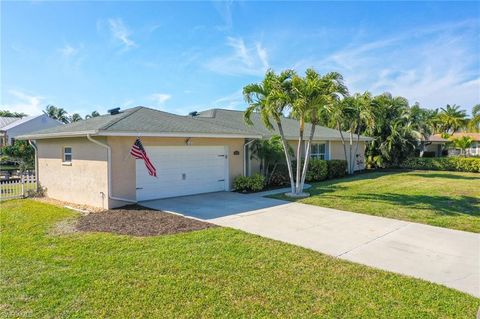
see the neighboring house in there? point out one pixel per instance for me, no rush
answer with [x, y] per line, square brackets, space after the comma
[24, 125]
[4, 121]
[438, 146]
[88, 162]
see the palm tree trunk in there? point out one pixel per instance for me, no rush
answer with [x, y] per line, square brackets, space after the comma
[287, 156]
[356, 146]
[307, 156]
[350, 170]
[343, 142]
[299, 158]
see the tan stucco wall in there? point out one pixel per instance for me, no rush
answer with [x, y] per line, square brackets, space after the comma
[123, 165]
[337, 152]
[81, 182]
[86, 178]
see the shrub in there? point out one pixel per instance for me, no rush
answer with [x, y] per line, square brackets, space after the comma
[252, 183]
[317, 170]
[336, 168]
[460, 164]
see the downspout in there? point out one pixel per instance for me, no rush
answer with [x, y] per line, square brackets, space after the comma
[109, 170]
[34, 145]
[245, 157]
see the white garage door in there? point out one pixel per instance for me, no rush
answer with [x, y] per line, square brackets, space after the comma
[182, 170]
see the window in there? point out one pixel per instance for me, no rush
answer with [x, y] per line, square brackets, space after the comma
[318, 151]
[67, 154]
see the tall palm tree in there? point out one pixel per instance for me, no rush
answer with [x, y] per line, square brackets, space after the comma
[313, 95]
[93, 114]
[75, 117]
[474, 123]
[271, 98]
[57, 113]
[452, 118]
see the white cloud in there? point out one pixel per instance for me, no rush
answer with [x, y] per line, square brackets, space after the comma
[224, 9]
[160, 98]
[121, 33]
[243, 60]
[24, 102]
[232, 101]
[434, 65]
[68, 51]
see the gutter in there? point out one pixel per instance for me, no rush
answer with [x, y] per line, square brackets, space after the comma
[34, 145]
[245, 156]
[109, 170]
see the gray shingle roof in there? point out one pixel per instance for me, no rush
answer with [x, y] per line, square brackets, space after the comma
[143, 120]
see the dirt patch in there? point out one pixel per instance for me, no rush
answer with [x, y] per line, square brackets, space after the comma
[60, 203]
[139, 221]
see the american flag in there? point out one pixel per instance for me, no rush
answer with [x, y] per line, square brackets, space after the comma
[138, 152]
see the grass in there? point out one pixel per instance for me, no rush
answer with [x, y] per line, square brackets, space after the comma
[444, 199]
[217, 272]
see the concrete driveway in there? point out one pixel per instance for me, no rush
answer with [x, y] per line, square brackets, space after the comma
[440, 255]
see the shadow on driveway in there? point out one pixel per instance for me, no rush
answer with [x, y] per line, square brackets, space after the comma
[213, 205]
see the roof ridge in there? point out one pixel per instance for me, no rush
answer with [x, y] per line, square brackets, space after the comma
[115, 121]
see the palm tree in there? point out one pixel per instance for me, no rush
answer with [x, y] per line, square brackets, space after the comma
[353, 114]
[57, 113]
[451, 118]
[462, 143]
[270, 98]
[93, 114]
[394, 134]
[75, 117]
[313, 95]
[474, 123]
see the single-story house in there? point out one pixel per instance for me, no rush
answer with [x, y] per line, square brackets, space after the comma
[436, 145]
[15, 126]
[89, 162]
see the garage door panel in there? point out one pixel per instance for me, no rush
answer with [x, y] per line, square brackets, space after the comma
[182, 171]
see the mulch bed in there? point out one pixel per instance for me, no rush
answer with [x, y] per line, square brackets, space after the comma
[139, 221]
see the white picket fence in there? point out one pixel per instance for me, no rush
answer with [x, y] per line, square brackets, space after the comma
[17, 187]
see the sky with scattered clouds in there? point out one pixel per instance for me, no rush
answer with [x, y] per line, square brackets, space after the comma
[186, 56]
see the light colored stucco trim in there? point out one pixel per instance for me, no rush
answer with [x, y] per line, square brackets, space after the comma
[149, 134]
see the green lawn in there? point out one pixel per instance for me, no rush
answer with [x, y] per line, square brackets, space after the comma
[445, 199]
[217, 272]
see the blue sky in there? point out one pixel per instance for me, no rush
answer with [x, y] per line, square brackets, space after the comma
[186, 56]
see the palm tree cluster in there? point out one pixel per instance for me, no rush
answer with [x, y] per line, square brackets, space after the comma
[61, 114]
[396, 127]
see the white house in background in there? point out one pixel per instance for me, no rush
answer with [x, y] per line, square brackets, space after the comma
[11, 127]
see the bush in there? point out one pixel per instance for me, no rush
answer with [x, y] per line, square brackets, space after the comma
[253, 183]
[336, 168]
[460, 164]
[317, 170]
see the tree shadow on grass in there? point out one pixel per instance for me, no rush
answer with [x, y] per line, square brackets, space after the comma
[446, 175]
[443, 205]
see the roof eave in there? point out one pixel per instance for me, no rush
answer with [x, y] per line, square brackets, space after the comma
[179, 134]
[55, 135]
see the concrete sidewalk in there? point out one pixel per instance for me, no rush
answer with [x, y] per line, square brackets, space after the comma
[440, 255]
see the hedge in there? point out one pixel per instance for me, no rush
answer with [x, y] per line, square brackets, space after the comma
[254, 183]
[456, 163]
[318, 170]
[336, 168]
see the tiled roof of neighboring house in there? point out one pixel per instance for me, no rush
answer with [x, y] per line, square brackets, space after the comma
[439, 138]
[4, 121]
[146, 121]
